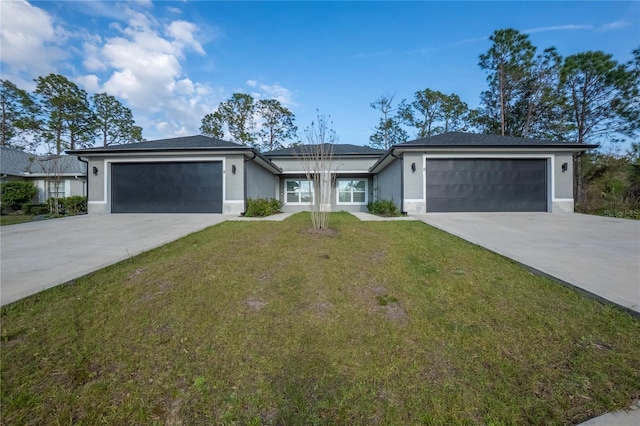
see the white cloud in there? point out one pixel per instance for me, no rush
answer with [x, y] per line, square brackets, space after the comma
[183, 34]
[90, 83]
[174, 10]
[139, 59]
[611, 26]
[558, 28]
[272, 91]
[29, 39]
[92, 61]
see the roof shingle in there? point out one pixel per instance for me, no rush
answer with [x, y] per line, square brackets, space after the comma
[185, 142]
[14, 162]
[338, 149]
[475, 139]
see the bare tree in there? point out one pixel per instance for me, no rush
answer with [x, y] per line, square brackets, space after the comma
[316, 156]
[53, 166]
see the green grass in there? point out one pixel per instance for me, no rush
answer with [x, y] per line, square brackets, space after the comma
[262, 323]
[13, 220]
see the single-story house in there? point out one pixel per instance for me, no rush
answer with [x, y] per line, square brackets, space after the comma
[452, 172]
[65, 175]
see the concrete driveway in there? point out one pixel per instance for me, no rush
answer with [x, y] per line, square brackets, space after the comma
[38, 255]
[600, 255]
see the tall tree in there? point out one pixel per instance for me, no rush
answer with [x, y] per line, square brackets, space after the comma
[541, 107]
[388, 131]
[433, 112]
[212, 125]
[18, 116]
[595, 84]
[508, 63]
[68, 122]
[237, 116]
[277, 124]
[114, 121]
[629, 108]
[454, 114]
[423, 112]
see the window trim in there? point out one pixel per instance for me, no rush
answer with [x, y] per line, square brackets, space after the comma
[60, 187]
[352, 203]
[299, 203]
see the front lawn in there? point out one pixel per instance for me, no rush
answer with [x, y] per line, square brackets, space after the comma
[264, 323]
[13, 220]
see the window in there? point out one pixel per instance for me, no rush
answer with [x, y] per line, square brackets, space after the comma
[299, 191]
[352, 191]
[56, 189]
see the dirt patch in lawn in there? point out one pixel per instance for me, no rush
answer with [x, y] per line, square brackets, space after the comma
[254, 304]
[320, 232]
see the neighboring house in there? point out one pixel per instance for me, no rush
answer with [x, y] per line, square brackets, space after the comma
[453, 172]
[64, 175]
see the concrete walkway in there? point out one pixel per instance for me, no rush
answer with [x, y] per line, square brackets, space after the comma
[38, 255]
[619, 418]
[598, 255]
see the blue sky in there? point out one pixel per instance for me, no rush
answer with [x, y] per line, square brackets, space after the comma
[173, 62]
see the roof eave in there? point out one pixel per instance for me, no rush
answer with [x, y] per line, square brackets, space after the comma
[266, 162]
[102, 151]
[562, 146]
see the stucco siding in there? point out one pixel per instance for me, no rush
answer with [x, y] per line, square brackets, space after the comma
[388, 183]
[563, 180]
[96, 181]
[77, 187]
[261, 183]
[340, 165]
[414, 185]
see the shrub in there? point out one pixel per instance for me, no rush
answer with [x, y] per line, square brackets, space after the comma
[35, 208]
[261, 207]
[385, 208]
[74, 204]
[16, 193]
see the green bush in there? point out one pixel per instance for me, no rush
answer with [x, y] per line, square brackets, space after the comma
[16, 193]
[35, 208]
[262, 207]
[385, 208]
[74, 204]
[623, 214]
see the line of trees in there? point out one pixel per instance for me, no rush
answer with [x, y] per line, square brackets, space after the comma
[59, 115]
[265, 124]
[585, 98]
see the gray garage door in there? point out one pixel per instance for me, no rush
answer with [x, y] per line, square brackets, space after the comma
[486, 185]
[175, 187]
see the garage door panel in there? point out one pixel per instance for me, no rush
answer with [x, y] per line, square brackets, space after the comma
[478, 185]
[166, 187]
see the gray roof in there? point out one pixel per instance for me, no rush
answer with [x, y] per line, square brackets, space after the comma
[338, 149]
[484, 140]
[14, 162]
[181, 143]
